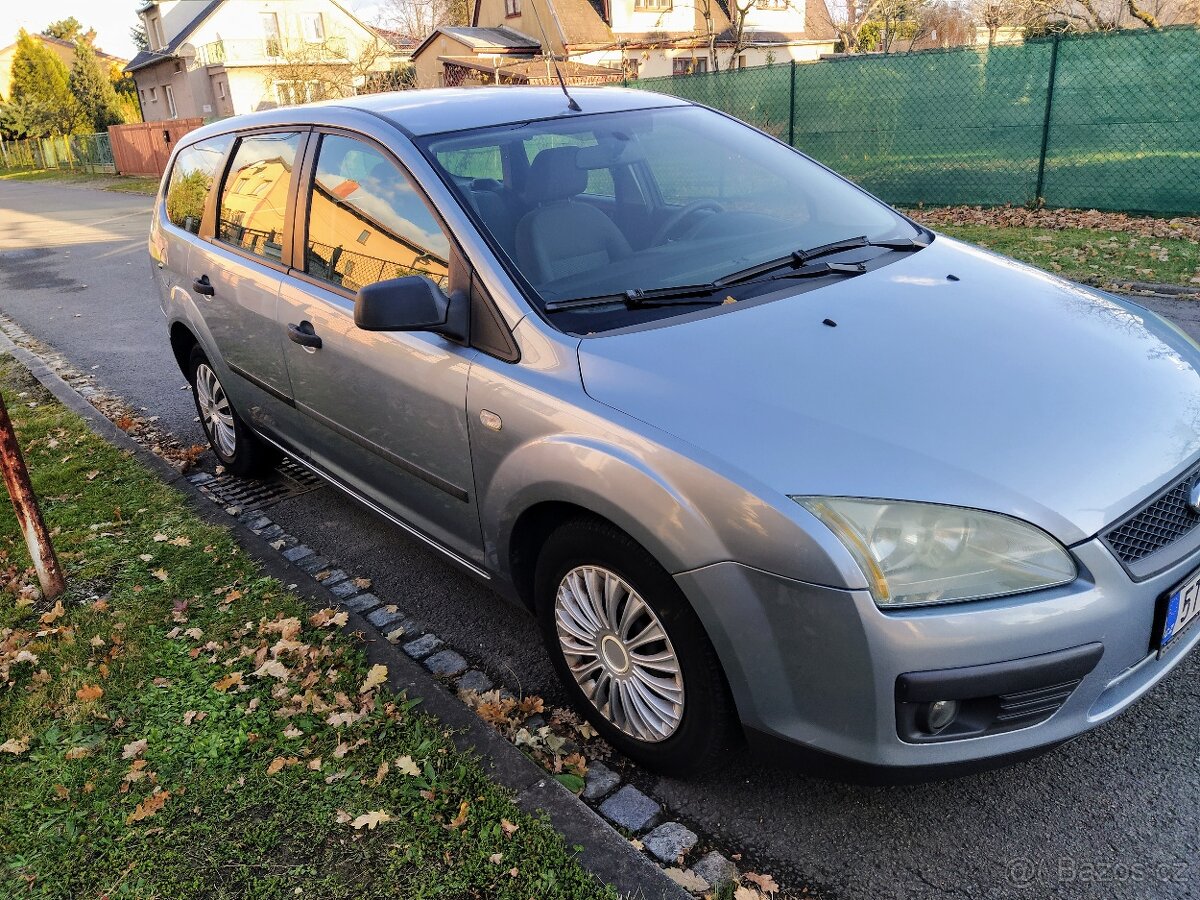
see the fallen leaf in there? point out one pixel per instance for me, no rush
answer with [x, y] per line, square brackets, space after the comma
[160, 537]
[370, 819]
[765, 883]
[61, 792]
[15, 746]
[78, 753]
[376, 676]
[362, 583]
[145, 557]
[381, 773]
[135, 748]
[89, 692]
[292, 732]
[193, 715]
[342, 817]
[746, 893]
[148, 807]
[97, 641]
[496, 858]
[279, 762]
[54, 615]
[161, 574]
[228, 681]
[686, 879]
[508, 828]
[273, 668]
[181, 541]
[406, 766]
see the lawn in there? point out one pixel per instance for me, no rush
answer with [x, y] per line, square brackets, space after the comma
[129, 184]
[180, 725]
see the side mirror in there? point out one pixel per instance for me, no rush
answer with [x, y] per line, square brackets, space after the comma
[411, 303]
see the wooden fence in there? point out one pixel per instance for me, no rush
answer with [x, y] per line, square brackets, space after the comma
[143, 148]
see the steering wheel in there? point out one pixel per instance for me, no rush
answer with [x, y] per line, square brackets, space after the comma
[681, 215]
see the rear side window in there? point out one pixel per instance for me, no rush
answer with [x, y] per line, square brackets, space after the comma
[254, 196]
[367, 222]
[191, 178]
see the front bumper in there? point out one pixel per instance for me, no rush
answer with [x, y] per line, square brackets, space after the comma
[820, 667]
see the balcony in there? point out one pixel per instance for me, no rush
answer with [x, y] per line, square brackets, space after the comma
[269, 52]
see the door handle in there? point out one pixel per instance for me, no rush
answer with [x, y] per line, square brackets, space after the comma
[304, 335]
[203, 287]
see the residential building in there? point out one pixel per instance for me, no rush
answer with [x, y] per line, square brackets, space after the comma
[64, 50]
[651, 38]
[217, 58]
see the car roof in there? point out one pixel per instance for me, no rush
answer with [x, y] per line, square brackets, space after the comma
[423, 112]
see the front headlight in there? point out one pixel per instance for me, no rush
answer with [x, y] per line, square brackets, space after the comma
[919, 553]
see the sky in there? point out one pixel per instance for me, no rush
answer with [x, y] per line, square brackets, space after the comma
[112, 19]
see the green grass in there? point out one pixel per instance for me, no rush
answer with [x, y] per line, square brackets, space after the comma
[144, 571]
[1099, 257]
[128, 184]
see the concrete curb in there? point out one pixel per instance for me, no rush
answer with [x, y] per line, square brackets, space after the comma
[606, 854]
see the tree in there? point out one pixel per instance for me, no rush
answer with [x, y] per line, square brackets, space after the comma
[69, 29]
[92, 89]
[323, 71]
[420, 18]
[848, 18]
[41, 94]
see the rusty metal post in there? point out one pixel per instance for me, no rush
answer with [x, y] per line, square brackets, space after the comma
[29, 517]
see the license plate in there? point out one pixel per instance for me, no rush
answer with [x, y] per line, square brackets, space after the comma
[1183, 606]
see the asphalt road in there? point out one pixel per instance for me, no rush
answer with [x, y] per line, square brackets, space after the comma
[1114, 814]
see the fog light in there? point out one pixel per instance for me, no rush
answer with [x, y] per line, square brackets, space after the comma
[936, 715]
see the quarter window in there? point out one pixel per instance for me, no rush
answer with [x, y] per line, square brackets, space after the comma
[191, 178]
[367, 222]
[254, 198]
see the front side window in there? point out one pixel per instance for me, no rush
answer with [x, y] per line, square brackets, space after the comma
[191, 179]
[314, 27]
[254, 197]
[591, 207]
[688, 65]
[170, 92]
[367, 222]
[512, 7]
[640, 5]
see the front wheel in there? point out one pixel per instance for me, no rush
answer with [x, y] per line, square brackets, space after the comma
[631, 650]
[236, 446]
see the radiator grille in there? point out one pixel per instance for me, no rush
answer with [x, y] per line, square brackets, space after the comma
[1161, 523]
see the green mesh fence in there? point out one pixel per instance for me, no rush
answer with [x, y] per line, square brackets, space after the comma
[1105, 121]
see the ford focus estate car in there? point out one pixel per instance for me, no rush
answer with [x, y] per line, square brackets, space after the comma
[767, 459]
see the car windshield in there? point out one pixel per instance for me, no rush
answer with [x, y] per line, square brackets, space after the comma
[649, 200]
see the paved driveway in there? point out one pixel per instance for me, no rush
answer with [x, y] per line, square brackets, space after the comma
[1114, 814]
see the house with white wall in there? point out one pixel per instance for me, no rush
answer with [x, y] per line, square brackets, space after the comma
[652, 38]
[217, 58]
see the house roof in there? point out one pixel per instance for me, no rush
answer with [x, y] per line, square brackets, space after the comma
[397, 39]
[150, 57]
[501, 38]
[533, 71]
[53, 40]
[582, 22]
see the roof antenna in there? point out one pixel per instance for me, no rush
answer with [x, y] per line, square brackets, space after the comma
[571, 104]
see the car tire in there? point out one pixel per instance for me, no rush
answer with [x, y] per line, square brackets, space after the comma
[238, 448]
[679, 722]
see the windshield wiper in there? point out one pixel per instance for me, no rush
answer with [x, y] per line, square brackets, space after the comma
[800, 258]
[636, 298]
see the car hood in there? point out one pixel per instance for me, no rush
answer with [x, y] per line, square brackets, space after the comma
[1004, 388]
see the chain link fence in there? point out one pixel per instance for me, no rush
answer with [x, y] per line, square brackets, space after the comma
[83, 152]
[1097, 121]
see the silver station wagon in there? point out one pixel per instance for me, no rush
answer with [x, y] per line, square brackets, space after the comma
[768, 460]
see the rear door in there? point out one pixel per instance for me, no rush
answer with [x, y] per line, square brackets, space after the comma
[385, 411]
[238, 274]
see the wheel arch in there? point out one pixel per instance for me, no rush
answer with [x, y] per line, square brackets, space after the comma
[182, 342]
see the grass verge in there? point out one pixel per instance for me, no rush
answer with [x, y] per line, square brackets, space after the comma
[125, 184]
[181, 726]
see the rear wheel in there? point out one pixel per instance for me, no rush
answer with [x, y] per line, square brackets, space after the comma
[236, 446]
[631, 651]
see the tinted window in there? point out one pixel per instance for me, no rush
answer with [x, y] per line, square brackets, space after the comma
[366, 221]
[254, 197]
[195, 168]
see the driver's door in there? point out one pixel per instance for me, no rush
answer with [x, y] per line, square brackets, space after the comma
[385, 412]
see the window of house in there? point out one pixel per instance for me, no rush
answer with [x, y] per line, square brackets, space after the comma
[313, 26]
[191, 178]
[741, 61]
[169, 92]
[687, 65]
[254, 197]
[367, 222]
[293, 93]
[155, 34]
[142, 91]
[153, 95]
[270, 27]
[639, 5]
[221, 89]
[631, 68]
[512, 7]
[772, 4]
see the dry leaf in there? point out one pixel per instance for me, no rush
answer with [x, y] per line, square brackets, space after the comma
[148, 807]
[181, 541]
[15, 746]
[508, 828]
[273, 668]
[688, 880]
[458, 820]
[496, 858]
[160, 574]
[370, 819]
[279, 762]
[89, 692]
[135, 748]
[78, 753]
[228, 681]
[381, 773]
[362, 583]
[54, 615]
[376, 676]
[342, 817]
[765, 883]
[406, 766]
[746, 893]
[292, 732]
